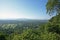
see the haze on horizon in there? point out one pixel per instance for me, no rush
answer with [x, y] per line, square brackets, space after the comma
[30, 9]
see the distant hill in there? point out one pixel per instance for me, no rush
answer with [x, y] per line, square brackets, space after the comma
[21, 20]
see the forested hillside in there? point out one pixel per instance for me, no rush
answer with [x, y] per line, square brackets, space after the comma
[11, 28]
[47, 31]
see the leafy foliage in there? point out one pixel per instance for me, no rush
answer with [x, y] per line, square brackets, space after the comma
[53, 6]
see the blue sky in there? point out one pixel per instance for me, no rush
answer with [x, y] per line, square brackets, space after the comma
[30, 9]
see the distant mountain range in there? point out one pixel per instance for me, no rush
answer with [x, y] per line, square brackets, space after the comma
[21, 20]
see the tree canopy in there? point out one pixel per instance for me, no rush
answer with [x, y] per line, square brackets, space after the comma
[53, 6]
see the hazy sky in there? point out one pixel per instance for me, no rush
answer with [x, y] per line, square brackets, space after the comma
[31, 9]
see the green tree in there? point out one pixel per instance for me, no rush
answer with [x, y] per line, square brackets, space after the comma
[3, 36]
[30, 35]
[53, 6]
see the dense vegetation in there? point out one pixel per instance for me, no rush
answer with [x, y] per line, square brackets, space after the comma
[15, 29]
[29, 31]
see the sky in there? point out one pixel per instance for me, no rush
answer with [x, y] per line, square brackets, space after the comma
[30, 9]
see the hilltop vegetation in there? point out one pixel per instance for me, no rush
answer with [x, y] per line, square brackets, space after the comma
[36, 31]
[14, 30]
